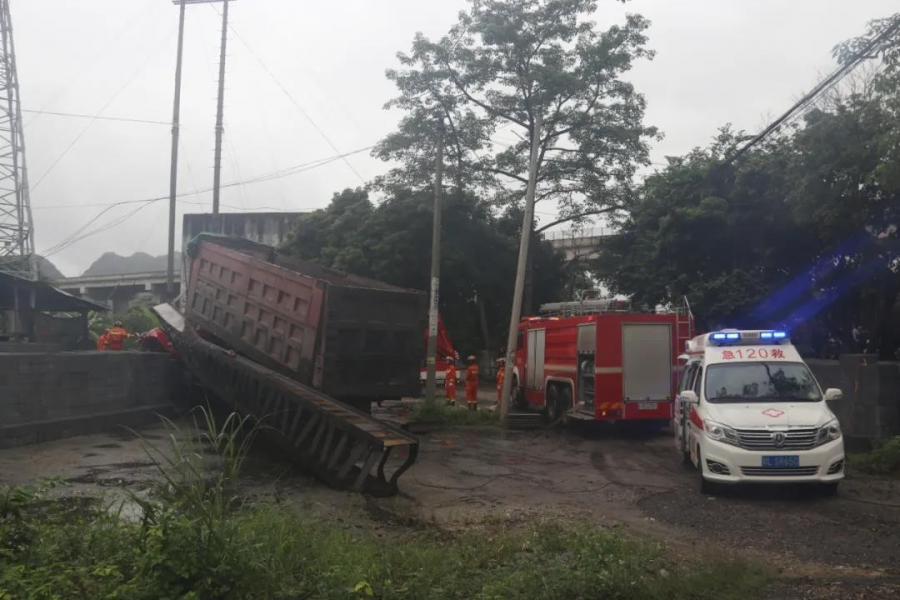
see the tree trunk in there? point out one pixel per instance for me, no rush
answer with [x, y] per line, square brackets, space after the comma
[482, 319]
[528, 297]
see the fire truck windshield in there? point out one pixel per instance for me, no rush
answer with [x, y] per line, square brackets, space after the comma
[761, 382]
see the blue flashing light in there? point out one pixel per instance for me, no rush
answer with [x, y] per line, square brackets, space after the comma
[732, 336]
[718, 336]
[766, 335]
[779, 335]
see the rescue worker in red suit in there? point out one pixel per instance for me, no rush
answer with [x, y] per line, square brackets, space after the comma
[501, 373]
[114, 339]
[472, 384]
[450, 381]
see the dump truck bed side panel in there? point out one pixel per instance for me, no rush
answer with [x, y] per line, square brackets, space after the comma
[271, 314]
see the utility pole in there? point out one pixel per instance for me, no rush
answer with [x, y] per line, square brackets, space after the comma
[524, 242]
[173, 173]
[431, 378]
[220, 116]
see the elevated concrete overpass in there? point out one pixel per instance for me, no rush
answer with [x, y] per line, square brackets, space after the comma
[120, 292]
[580, 244]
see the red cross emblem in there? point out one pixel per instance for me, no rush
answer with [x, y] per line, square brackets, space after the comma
[773, 412]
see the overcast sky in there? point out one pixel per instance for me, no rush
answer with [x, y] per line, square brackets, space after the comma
[301, 71]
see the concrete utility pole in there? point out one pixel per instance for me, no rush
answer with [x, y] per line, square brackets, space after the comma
[431, 378]
[524, 242]
[173, 174]
[220, 116]
[176, 131]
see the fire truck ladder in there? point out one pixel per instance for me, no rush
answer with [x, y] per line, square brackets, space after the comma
[339, 444]
[684, 323]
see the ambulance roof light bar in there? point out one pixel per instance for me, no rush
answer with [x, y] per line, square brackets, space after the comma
[730, 336]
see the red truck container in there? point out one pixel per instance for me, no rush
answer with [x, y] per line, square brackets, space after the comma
[601, 365]
[353, 338]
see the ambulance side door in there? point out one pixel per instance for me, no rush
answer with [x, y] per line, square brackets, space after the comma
[682, 408]
[694, 430]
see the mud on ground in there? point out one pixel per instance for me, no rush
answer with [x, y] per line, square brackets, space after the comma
[822, 547]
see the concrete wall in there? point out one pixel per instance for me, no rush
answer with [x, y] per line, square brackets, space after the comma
[54, 395]
[271, 229]
[870, 409]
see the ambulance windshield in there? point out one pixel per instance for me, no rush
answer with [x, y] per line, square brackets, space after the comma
[762, 382]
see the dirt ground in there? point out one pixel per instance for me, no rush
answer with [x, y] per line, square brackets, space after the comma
[842, 547]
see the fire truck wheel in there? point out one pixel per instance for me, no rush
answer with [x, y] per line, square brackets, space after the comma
[518, 395]
[551, 411]
[565, 402]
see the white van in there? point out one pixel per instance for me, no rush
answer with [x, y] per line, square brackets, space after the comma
[749, 410]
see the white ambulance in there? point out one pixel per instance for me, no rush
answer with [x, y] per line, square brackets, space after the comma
[749, 410]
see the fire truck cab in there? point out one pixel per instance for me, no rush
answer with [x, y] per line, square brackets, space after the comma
[750, 410]
[600, 361]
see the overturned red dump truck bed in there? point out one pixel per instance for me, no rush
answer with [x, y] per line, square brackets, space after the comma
[305, 350]
[353, 338]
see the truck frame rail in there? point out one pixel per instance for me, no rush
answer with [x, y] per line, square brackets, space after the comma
[342, 446]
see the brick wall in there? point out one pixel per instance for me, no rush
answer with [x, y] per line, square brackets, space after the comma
[53, 395]
[870, 409]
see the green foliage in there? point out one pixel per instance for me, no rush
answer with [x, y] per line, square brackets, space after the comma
[884, 459]
[452, 415]
[801, 232]
[498, 67]
[273, 552]
[138, 319]
[392, 241]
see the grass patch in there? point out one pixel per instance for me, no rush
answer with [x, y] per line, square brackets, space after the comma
[271, 551]
[452, 415]
[195, 539]
[884, 459]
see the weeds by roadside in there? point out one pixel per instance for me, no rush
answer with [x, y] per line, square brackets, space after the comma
[884, 459]
[196, 540]
[443, 414]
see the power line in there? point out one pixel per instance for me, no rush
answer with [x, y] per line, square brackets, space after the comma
[80, 234]
[823, 86]
[99, 113]
[92, 62]
[291, 98]
[97, 117]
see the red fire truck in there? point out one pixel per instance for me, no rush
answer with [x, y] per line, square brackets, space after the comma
[598, 360]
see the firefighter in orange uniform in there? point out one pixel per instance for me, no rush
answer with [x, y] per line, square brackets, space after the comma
[472, 384]
[501, 373]
[450, 381]
[114, 339]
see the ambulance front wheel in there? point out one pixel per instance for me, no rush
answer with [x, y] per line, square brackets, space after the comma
[829, 489]
[706, 487]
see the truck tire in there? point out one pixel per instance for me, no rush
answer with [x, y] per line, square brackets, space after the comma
[551, 410]
[565, 403]
[518, 396]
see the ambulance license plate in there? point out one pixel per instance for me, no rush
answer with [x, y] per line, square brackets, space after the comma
[780, 462]
[647, 405]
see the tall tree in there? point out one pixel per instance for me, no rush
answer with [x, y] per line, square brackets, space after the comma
[504, 62]
[386, 241]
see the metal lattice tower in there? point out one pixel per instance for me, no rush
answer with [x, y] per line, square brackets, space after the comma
[16, 230]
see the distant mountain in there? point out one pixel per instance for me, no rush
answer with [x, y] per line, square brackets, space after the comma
[48, 270]
[113, 264]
